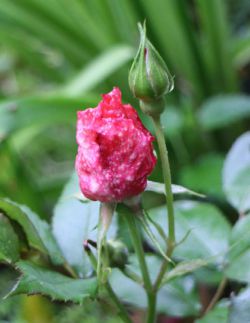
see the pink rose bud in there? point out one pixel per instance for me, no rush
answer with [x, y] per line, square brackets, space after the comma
[115, 151]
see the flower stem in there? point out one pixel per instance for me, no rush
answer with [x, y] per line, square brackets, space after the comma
[162, 271]
[167, 177]
[105, 217]
[169, 197]
[137, 242]
[122, 311]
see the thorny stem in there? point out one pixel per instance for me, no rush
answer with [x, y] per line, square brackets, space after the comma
[122, 311]
[137, 242]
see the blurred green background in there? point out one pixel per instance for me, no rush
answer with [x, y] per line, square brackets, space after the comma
[59, 56]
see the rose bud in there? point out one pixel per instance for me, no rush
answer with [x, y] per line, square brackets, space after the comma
[118, 253]
[115, 152]
[149, 77]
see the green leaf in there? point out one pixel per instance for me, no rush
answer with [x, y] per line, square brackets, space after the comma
[204, 175]
[8, 279]
[37, 231]
[210, 276]
[241, 48]
[172, 121]
[168, 24]
[183, 268]
[39, 280]
[178, 298]
[236, 174]
[215, 44]
[221, 111]
[99, 69]
[218, 314]
[240, 308]
[176, 189]
[208, 238]
[43, 110]
[73, 222]
[238, 258]
[9, 244]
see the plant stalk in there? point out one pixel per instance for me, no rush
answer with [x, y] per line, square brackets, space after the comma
[162, 271]
[105, 217]
[122, 311]
[167, 177]
[169, 197]
[137, 242]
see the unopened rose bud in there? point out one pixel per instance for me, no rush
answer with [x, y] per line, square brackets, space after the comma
[118, 253]
[149, 77]
[115, 151]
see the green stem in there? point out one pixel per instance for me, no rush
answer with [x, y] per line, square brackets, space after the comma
[105, 217]
[163, 269]
[137, 242]
[167, 177]
[122, 311]
[169, 197]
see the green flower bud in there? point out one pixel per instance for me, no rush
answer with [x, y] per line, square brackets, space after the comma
[118, 253]
[149, 77]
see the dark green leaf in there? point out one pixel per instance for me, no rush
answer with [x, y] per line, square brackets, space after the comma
[221, 111]
[236, 174]
[9, 244]
[37, 231]
[8, 279]
[73, 222]
[39, 280]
